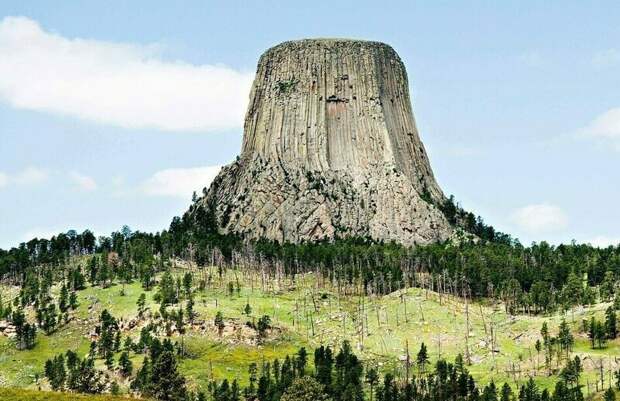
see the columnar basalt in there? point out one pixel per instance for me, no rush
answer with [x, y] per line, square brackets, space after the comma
[330, 149]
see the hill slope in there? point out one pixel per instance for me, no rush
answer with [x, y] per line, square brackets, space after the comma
[308, 312]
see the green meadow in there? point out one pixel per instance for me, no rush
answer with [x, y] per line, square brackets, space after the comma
[308, 312]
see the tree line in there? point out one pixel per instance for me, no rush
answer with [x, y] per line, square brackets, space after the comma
[333, 376]
[539, 278]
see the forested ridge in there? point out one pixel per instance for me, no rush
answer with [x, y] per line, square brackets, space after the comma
[334, 376]
[538, 279]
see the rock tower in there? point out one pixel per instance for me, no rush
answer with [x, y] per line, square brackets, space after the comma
[330, 150]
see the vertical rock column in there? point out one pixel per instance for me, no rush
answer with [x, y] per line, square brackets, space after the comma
[330, 149]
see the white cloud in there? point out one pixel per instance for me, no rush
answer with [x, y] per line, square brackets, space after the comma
[541, 218]
[180, 182]
[605, 127]
[83, 182]
[606, 58]
[121, 84]
[29, 176]
[602, 241]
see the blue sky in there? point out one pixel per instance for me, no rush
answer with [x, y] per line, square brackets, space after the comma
[113, 112]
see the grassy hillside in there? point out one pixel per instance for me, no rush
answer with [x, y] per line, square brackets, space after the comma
[19, 394]
[304, 313]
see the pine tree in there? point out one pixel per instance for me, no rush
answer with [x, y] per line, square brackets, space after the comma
[167, 290]
[597, 333]
[147, 272]
[234, 391]
[422, 358]
[93, 270]
[571, 372]
[63, 302]
[76, 279]
[189, 308]
[250, 391]
[104, 275]
[141, 305]
[264, 323]
[125, 364]
[592, 331]
[566, 337]
[305, 389]
[49, 319]
[607, 287]
[490, 392]
[142, 381]
[372, 378]
[25, 332]
[323, 364]
[609, 395]
[109, 360]
[219, 322]
[506, 393]
[572, 292]
[187, 284]
[301, 361]
[178, 318]
[544, 332]
[611, 328]
[73, 300]
[55, 372]
[167, 384]
[108, 332]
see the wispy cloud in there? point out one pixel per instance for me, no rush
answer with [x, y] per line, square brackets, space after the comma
[605, 127]
[29, 176]
[602, 241]
[33, 176]
[121, 84]
[606, 58]
[180, 182]
[540, 218]
[82, 181]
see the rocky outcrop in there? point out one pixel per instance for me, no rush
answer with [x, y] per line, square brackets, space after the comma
[330, 149]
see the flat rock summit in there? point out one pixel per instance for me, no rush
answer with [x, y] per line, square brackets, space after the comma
[330, 150]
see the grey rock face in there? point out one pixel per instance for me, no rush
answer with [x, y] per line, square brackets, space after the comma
[330, 149]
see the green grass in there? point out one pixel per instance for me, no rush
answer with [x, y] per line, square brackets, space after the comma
[307, 316]
[20, 394]
[218, 360]
[19, 368]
